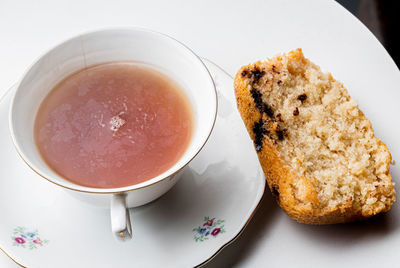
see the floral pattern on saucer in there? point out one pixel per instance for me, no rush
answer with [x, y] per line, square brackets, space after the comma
[210, 228]
[26, 239]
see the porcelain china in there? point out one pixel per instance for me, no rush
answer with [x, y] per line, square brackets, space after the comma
[44, 226]
[125, 44]
[232, 34]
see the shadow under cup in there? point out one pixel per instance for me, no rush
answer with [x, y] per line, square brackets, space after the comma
[156, 50]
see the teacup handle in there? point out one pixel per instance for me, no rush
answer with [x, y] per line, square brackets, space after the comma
[120, 218]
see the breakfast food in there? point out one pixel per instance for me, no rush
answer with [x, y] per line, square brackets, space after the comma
[317, 149]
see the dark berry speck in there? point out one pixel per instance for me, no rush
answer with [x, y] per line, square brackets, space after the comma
[302, 97]
[257, 74]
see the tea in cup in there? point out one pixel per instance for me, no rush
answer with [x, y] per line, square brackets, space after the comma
[114, 116]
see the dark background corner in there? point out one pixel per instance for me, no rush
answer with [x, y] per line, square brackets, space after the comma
[382, 19]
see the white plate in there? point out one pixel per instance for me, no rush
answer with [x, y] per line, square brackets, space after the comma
[43, 226]
[234, 33]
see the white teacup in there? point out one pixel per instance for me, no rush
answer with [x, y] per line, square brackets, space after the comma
[131, 44]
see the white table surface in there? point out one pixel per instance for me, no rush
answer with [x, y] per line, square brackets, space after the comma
[230, 33]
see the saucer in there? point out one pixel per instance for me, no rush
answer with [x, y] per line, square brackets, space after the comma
[43, 225]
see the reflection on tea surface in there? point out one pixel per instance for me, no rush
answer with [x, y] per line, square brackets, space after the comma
[113, 125]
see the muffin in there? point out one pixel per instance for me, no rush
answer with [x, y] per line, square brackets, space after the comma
[318, 151]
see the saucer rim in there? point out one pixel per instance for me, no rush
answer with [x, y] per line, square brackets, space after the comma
[255, 209]
[222, 247]
[238, 234]
[2, 97]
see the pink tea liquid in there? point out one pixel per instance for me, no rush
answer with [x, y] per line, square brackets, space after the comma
[113, 125]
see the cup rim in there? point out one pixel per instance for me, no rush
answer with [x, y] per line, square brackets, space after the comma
[123, 189]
